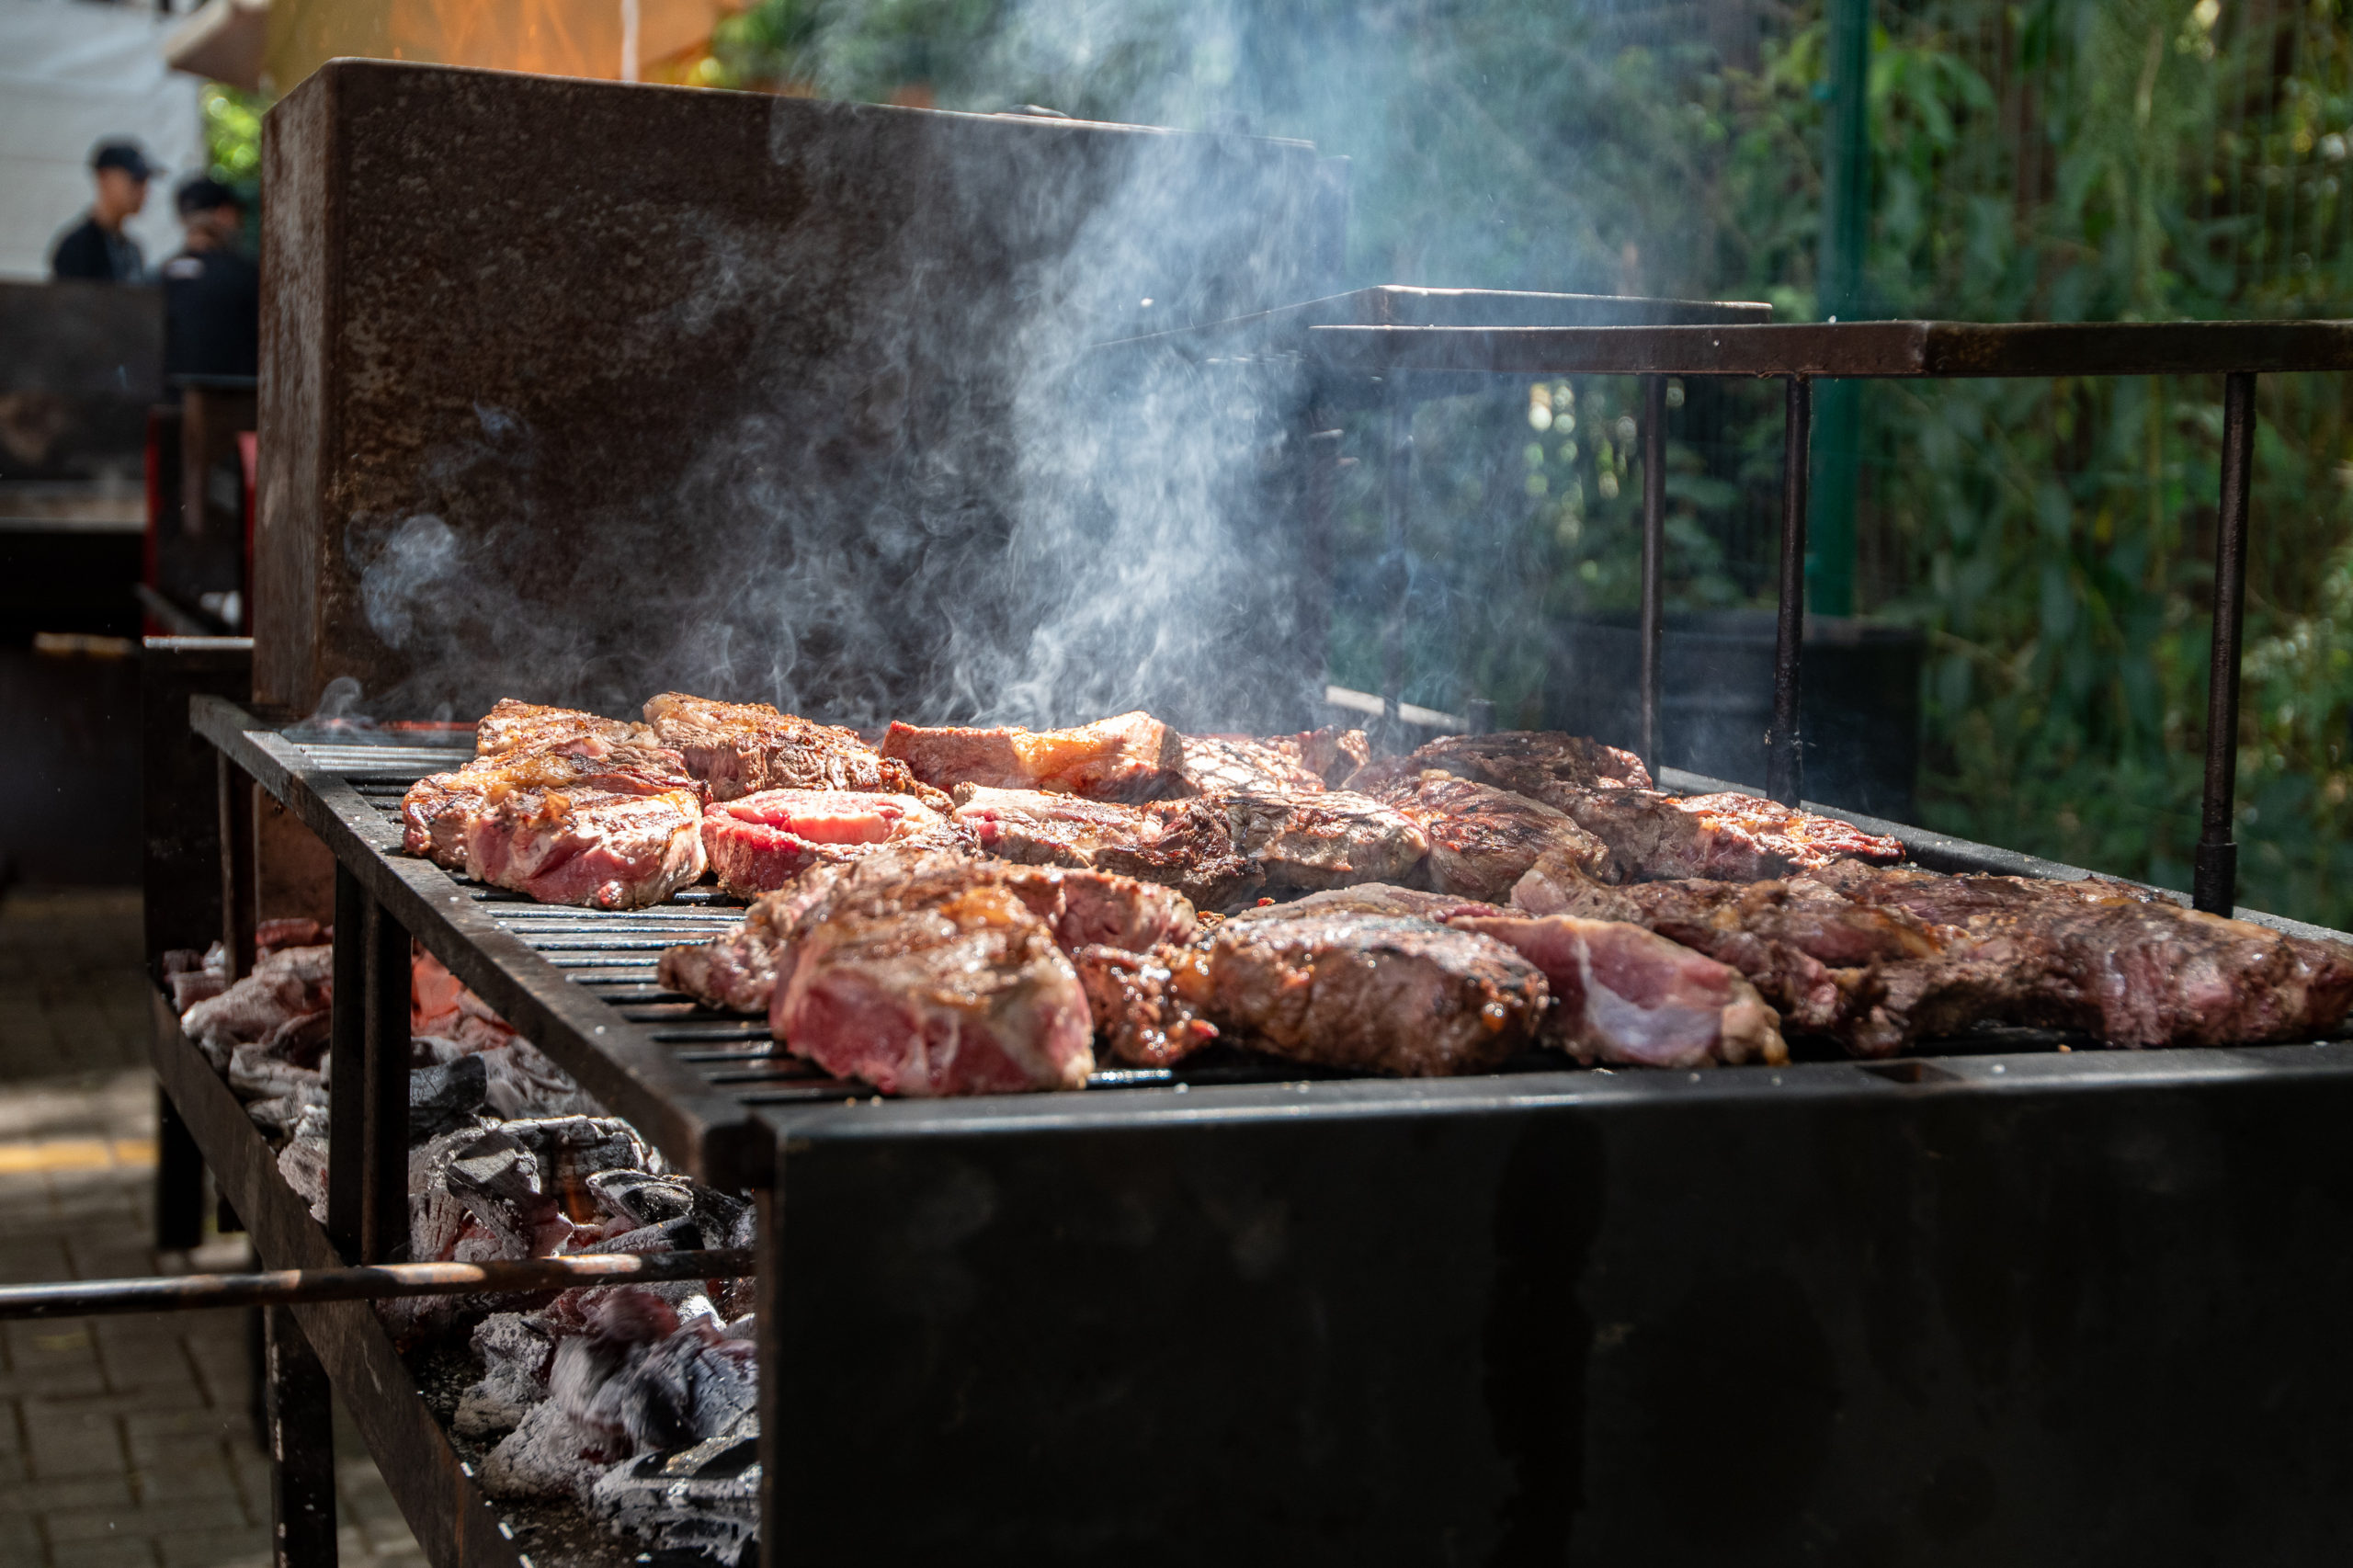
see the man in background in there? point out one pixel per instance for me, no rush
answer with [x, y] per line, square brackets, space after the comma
[97, 248]
[211, 289]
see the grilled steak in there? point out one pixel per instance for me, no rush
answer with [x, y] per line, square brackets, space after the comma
[1624, 994]
[738, 971]
[578, 819]
[759, 843]
[1186, 845]
[1483, 839]
[1213, 763]
[964, 994]
[1650, 835]
[1535, 763]
[1140, 1017]
[1786, 937]
[1369, 992]
[743, 748]
[513, 726]
[1132, 757]
[1374, 898]
[1324, 840]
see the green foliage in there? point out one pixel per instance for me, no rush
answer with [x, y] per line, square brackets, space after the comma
[232, 136]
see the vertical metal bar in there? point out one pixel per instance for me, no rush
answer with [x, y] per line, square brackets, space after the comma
[383, 1211]
[238, 916]
[769, 1302]
[1397, 500]
[179, 1179]
[1653, 559]
[2214, 882]
[1321, 506]
[1784, 758]
[347, 1068]
[1479, 716]
[302, 1446]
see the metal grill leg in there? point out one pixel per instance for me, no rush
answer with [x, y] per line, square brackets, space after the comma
[1784, 759]
[238, 915]
[347, 1077]
[1653, 557]
[301, 1447]
[179, 1180]
[383, 1218]
[2214, 885]
[769, 1301]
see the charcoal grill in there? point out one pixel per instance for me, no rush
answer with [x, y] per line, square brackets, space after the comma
[2002, 1300]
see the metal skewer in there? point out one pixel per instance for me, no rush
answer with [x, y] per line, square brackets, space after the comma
[189, 1292]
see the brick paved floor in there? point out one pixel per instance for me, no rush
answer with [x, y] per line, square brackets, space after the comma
[123, 1440]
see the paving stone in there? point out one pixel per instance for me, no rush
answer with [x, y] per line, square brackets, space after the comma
[208, 1549]
[125, 1551]
[64, 1444]
[192, 1515]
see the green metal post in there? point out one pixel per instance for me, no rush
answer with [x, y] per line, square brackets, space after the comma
[1846, 225]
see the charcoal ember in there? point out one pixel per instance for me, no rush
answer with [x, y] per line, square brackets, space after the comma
[642, 1199]
[191, 986]
[514, 1351]
[501, 1184]
[647, 1376]
[282, 987]
[703, 1499]
[523, 1083]
[182, 960]
[661, 1235]
[257, 1074]
[548, 1457]
[443, 1098]
[303, 1161]
[269, 935]
[281, 1113]
[573, 1148]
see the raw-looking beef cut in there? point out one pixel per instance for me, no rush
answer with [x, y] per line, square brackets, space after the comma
[1625, 996]
[1368, 991]
[517, 726]
[965, 994]
[742, 748]
[759, 843]
[1324, 840]
[1133, 756]
[1186, 844]
[580, 818]
[1483, 840]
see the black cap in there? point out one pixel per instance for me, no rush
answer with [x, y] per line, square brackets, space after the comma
[126, 156]
[203, 194]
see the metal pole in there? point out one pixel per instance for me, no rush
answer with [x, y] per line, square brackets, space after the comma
[383, 1212]
[1784, 758]
[302, 1446]
[2214, 884]
[1653, 558]
[347, 1062]
[1397, 498]
[179, 1180]
[287, 1287]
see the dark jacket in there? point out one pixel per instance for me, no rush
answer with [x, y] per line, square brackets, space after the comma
[88, 251]
[211, 314]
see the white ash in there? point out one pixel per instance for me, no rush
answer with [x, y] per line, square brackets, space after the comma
[547, 1456]
[514, 1351]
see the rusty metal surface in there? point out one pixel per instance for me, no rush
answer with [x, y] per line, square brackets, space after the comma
[607, 392]
[178, 770]
[446, 1511]
[1859, 349]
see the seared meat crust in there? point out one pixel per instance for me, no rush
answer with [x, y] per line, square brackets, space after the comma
[742, 748]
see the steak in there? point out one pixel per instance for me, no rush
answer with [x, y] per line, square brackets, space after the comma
[759, 843]
[516, 726]
[1132, 757]
[964, 994]
[1367, 992]
[1786, 938]
[1138, 1014]
[1651, 835]
[1482, 840]
[1324, 840]
[1186, 844]
[577, 817]
[738, 973]
[1374, 898]
[1622, 995]
[743, 748]
[1213, 763]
